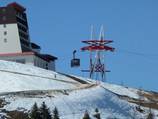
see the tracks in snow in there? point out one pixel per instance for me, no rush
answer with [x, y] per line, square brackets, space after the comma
[75, 78]
[80, 85]
[46, 93]
[45, 77]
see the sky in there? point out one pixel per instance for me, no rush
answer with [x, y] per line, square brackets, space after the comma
[59, 26]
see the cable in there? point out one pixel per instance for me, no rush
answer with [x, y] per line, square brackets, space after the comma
[135, 53]
[140, 54]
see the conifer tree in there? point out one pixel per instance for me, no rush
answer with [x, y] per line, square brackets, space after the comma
[45, 112]
[35, 114]
[55, 113]
[150, 115]
[86, 115]
[97, 114]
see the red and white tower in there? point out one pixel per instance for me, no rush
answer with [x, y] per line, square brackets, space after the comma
[97, 48]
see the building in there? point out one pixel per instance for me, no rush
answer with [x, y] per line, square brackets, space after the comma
[15, 43]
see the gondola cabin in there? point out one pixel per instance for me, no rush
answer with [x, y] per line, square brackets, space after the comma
[75, 62]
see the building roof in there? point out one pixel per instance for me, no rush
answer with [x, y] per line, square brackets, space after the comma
[35, 46]
[16, 54]
[48, 57]
[45, 57]
[17, 6]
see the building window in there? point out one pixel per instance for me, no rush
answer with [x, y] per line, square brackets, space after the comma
[4, 18]
[5, 32]
[5, 40]
[20, 61]
[4, 25]
[46, 65]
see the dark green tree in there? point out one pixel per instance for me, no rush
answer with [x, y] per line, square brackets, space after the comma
[55, 113]
[97, 114]
[150, 115]
[86, 115]
[35, 113]
[44, 112]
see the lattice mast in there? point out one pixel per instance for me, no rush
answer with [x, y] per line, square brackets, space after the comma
[97, 48]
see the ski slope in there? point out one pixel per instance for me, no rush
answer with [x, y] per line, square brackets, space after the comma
[19, 77]
[77, 102]
[23, 85]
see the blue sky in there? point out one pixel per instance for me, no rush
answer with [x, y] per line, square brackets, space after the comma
[59, 26]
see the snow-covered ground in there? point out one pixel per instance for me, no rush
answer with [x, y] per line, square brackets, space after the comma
[73, 106]
[22, 85]
[121, 90]
[20, 77]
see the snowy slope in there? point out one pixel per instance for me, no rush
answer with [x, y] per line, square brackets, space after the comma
[78, 101]
[23, 85]
[121, 90]
[20, 77]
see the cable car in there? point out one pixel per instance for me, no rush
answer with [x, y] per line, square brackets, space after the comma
[75, 62]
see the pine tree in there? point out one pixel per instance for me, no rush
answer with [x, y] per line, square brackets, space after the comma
[55, 113]
[35, 114]
[45, 112]
[86, 115]
[150, 115]
[97, 114]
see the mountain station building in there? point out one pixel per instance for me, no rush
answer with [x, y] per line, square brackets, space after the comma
[15, 43]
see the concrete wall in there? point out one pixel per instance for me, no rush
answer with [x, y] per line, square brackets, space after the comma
[9, 42]
[51, 66]
[39, 62]
[27, 59]
[30, 60]
[44, 64]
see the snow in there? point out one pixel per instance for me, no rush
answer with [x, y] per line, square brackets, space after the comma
[19, 77]
[23, 85]
[32, 70]
[77, 102]
[121, 90]
[117, 89]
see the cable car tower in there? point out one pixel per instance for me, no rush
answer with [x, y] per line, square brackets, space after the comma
[97, 48]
